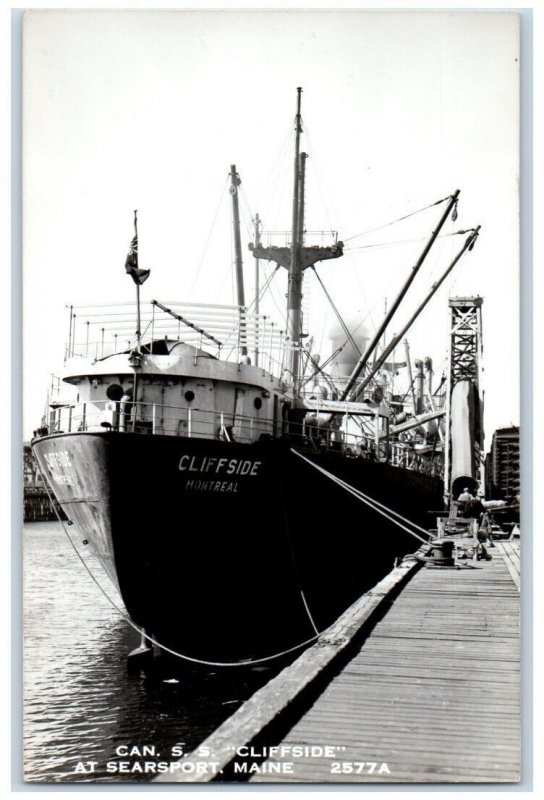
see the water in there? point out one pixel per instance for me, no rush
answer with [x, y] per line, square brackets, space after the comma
[80, 703]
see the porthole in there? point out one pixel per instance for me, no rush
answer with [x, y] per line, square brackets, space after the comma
[189, 396]
[114, 392]
[258, 402]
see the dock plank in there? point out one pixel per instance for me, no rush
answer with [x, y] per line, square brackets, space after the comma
[510, 551]
[276, 695]
[434, 693]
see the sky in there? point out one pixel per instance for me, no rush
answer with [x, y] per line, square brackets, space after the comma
[148, 110]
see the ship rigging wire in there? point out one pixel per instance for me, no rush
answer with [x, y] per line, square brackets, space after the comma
[276, 173]
[314, 163]
[318, 370]
[429, 324]
[336, 311]
[333, 219]
[198, 269]
[404, 241]
[394, 221]
[249, 308]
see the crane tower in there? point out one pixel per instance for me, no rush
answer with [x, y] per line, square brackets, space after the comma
[464, 407]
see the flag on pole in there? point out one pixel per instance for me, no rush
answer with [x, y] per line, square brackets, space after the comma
[131, 264]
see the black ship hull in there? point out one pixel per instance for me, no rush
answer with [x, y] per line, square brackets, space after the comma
[223, 551]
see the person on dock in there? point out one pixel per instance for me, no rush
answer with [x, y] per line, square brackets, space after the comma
[465, 501]
[465, 496]
[484, 536]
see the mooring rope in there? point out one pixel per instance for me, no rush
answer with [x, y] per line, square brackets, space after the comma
[142, 632]
[389, 513]
[294, 561]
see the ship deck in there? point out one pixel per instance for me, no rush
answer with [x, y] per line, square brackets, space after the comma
[421, 675]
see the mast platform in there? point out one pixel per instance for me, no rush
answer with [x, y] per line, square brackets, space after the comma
[309, 254]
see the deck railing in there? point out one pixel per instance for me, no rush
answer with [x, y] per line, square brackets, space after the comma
[225, 331]
[187, 421]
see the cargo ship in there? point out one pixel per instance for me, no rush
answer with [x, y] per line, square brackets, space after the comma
[238, 493]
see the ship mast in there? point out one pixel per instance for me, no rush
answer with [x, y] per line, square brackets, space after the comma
[257, 289]
[234, 184]
[296, 258]
[294, 283]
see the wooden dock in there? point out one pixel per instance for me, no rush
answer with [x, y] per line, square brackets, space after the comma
[38, 506]
[431, 695]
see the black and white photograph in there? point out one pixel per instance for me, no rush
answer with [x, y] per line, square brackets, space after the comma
[271, 398]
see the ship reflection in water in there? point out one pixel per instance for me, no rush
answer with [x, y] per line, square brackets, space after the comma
[80, 704]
